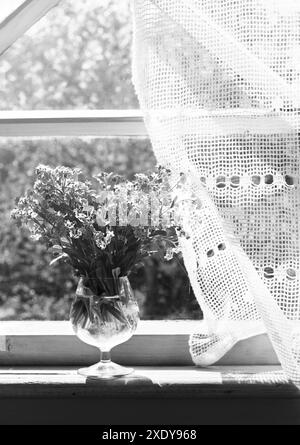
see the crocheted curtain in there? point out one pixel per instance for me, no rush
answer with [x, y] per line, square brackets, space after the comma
[219, 85]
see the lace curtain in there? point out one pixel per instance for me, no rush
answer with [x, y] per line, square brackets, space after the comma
[219, 85]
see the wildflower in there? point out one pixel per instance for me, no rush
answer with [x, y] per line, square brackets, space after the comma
[109, 236]
[98, 237]
[64, 211]
[36, 237]
[82, 217]
[76, 233]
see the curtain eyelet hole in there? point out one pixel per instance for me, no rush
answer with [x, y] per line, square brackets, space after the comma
[210, 253]
[256, 180]
[291, 274]
[235, 182]
[289, 180]
[269, 273]
[221, 182]
[269, 179]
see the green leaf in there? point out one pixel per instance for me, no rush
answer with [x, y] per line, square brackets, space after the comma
[64, 256]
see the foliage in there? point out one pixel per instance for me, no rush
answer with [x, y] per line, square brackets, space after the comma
[78, 56]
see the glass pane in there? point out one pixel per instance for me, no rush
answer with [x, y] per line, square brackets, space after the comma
[77, 57]
[8, 7]
[29, 287]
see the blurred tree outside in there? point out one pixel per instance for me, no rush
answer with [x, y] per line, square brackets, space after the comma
[77, 57]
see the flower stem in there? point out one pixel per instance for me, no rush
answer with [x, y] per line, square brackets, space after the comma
[105, 356]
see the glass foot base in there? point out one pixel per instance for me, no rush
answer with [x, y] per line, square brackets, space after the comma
[105, 370]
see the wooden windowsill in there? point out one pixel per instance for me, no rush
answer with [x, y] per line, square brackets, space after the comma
[221, 395]
[149, 382]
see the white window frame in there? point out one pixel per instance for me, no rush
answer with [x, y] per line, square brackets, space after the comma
[69, 123]
[130, 123]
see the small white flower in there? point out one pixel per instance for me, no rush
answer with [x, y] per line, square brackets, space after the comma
[169, 254]
[69, 225]
[36, 237]
[109, 236]
[76, 234]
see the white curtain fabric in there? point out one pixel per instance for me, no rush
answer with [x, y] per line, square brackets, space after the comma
[219, 85]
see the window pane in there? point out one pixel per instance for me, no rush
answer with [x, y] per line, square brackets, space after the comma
[29, 287]
[77, 57]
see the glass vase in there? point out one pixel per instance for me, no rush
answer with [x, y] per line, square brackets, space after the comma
[105, 322]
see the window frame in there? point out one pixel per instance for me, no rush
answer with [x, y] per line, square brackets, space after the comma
[156, 342]
[130, 123]
[72, 123]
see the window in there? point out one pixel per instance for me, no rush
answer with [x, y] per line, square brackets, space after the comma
[76, 57]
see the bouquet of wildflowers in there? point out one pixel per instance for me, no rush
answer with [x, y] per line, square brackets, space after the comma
[102, 229]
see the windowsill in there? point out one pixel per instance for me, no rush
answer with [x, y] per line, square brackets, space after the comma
[150, 382]
[221, 395]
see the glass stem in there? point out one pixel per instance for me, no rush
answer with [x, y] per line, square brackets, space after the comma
[105, 356]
